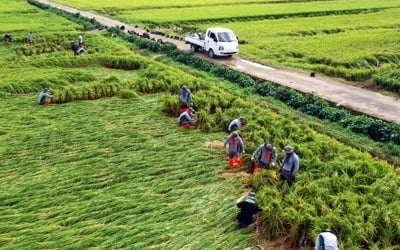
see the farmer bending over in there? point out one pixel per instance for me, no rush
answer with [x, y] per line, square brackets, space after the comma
[267, 156]
[185, 97]
[236, 147]
[43, 97]
[326, 241]
[74, 48]
[236, 124]
[186, 119]
[290, 165]
[248, 210]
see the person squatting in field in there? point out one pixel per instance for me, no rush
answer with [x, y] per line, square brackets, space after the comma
[290, 166]
[186, 119]
[266, 157]
[326, 241]
[236, 148]
[44, 97]
[77, 49]
[237, 124]
[248, 210]
[185, 98]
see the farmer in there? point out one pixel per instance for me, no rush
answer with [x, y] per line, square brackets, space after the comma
[236, 147]
[185, 95]
[74, 48]
[186, 119]
[266, 156]
[237, 124]
[80, 40]
[7, 38]
[43, 97]
[248, 210]
[326, 241]
[30, 39]
[290, 165]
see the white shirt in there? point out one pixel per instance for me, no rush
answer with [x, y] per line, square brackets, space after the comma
[329, 241]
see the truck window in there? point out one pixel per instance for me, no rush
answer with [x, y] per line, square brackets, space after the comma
[226, 37]
[213, 36]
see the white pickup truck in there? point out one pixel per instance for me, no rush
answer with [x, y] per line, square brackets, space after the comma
[216, 42]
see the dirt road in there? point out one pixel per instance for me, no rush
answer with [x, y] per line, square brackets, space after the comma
[358, 99]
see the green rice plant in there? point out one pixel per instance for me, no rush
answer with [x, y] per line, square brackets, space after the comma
[204, 121]
[389, 79]
[127, 94]
[170, 105]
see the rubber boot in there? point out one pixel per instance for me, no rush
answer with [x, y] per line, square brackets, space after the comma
[186, 125]
[238, 161]
[256, 169]
[231, 163]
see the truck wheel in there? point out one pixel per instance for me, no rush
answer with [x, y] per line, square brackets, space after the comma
[194, 48]
[211, 53]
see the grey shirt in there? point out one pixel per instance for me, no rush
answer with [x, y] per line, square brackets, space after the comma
[266, 156]
[291, 164]
[236, 145]
[185, 96]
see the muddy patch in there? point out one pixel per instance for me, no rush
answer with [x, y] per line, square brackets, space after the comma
[218, 145]
[228, 175]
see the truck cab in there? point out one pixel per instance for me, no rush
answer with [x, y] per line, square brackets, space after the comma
[220, 42]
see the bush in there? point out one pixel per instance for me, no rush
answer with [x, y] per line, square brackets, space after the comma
[127, 94]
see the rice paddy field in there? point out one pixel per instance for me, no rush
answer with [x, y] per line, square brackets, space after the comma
[106, 166]
[356, 40]
[107, 173]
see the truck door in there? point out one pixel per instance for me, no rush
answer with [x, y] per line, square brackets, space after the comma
[211, 41]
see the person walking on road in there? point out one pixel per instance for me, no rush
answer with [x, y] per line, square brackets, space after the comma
[237, 124]
[266, 157]
[326, 241]
[290, 165]
[236, 147]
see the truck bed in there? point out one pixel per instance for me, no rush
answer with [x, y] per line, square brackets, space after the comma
[194, 39]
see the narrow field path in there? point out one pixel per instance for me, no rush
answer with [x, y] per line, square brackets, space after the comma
[362, 100]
